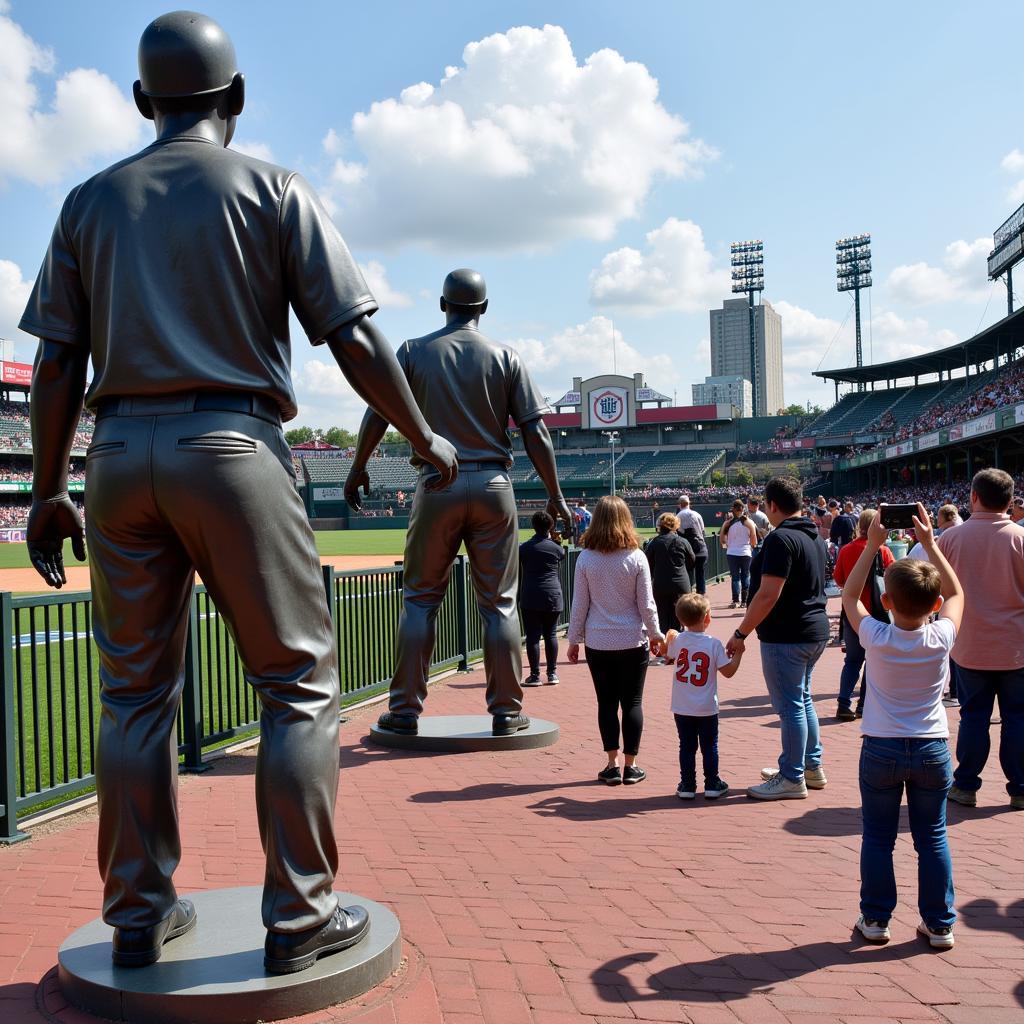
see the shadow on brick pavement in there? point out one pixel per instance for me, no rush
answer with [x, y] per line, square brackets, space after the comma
[530, 894]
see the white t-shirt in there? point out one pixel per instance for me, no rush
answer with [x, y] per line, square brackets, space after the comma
[907, 671]
[918, 552]
[737, 537]
[696, 659]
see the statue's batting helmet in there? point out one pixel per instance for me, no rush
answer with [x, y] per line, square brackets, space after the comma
[185, 54]
[465, 288]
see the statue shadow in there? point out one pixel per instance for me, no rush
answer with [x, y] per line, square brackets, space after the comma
[736, 976]
[492, 791]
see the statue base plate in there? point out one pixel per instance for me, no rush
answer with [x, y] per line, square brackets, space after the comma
[215, 973]
[456, 734]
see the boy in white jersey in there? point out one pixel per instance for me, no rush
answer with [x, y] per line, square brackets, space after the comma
[697, 659]
[906, 733]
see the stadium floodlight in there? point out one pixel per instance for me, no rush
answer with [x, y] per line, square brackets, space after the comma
[853, 272]
[747, 260]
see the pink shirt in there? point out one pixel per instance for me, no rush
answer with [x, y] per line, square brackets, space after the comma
[612, 604]
[987, 554]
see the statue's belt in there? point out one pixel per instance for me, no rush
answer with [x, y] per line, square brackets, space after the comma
[243, 402]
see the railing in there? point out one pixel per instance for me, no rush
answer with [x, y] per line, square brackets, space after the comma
[49, 671]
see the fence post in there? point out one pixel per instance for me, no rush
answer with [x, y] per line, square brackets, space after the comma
[329, 587]
[9, 831]
[192, 697]
[462, 611]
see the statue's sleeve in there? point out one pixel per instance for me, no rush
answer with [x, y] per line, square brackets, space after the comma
[325, 285]
[58, 307]
[526, 403]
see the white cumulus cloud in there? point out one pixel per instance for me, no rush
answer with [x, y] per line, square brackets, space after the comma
[962, 275]
[586, 350]
[675, 271]
[259, 150]
[14, 292]
[810, 341]
[521, 145]
[88, 116]
[380, 287]
[1013, 163]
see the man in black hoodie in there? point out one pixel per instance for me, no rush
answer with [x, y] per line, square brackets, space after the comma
[787, 608]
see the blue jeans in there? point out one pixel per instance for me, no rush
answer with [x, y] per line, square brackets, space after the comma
[925, 767]
[978, 691]
[699, 565]
[852, 665]
[694, 731]
[787, 671]
[739, 570]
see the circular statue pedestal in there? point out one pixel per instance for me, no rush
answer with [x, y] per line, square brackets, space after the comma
[214, 973]
[456, 734]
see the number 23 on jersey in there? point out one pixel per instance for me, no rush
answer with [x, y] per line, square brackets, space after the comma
[692, 668]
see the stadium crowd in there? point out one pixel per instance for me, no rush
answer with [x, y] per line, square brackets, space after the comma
[1006, 388]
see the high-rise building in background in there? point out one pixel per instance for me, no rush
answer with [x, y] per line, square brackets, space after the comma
[730, 349]
[733, 390]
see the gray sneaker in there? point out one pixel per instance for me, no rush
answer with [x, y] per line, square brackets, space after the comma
[552, 679]
[966, 797]
[778, 787]
[813, 777]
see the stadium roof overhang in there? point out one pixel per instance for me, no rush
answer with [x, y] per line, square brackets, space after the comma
[1002, 338]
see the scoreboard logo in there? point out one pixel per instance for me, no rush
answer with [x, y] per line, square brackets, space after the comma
[608, 407]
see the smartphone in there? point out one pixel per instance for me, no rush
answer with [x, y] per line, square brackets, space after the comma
[898, 517]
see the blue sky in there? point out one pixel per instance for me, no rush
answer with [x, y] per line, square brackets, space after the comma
[592, 161]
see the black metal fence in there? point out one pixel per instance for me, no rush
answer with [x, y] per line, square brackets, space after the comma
[49, 671]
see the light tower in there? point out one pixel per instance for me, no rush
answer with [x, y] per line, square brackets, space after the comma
[853, 272]
[747, 260]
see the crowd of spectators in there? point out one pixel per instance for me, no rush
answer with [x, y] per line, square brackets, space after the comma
[1004, 388]
[14, 514]
[19, 471]
[18, 433]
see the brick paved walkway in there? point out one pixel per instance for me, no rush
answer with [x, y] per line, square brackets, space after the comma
[529, 894]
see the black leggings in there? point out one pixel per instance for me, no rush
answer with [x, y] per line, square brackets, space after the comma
[541, 625]
[619, 682]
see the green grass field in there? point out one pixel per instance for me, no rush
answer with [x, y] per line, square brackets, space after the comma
[333, 542]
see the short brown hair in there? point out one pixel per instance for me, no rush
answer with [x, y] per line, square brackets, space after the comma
[668, 521]
[950, 512]
[913, 586]
[612, 527]
[994, 489]
[692, 610]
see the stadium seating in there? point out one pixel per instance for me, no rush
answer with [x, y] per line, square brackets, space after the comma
[673, 467]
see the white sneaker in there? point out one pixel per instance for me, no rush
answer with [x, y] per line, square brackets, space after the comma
[734, 604]
[813, 777]
[778, 787]
[873, 931]
[939, 939]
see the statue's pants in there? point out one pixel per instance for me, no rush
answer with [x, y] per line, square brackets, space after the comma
[479, 510]
[170, 491]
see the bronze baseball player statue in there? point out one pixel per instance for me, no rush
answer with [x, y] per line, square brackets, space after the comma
[468, 387]
[174, 270]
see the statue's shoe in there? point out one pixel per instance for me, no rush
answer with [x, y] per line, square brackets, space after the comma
[139, 947]
[508, 725]
[399, 723]
[286, 953]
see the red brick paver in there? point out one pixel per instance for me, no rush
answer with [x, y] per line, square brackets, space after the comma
[529, 894]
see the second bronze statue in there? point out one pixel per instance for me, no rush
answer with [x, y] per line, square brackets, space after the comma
[468, 388]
